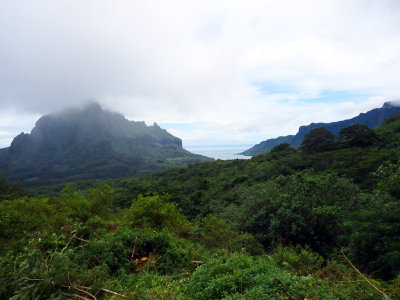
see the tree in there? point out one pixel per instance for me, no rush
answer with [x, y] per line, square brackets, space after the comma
[303, 208]
[358, 135]
[281, 147]
[318, 140]
[389, 176]
[372, 238]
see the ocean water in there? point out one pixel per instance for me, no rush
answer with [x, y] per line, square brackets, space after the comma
[224, 152]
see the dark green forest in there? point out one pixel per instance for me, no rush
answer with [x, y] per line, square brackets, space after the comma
[318, 222]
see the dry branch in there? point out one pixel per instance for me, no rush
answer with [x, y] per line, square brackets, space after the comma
[134, 248]
[30, 279]
[114, 293]
[102, 289]
[363, 276]
[65, 247]
[80, 288]
[76, 296]
[81, 239]
[199, 262]
[71, 286]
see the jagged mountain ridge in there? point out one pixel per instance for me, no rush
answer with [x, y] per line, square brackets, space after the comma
[90, 143]
[372, 119]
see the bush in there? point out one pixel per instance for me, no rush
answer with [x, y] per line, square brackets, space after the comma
[240, 276]
[214, 232]
[300, 260]
[157, 213]
[47, 268]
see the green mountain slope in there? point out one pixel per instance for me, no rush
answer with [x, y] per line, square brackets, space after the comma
[90, 143]
[372, 119]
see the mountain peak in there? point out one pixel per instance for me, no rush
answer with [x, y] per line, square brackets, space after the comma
[390, 104]
[91, 142]
[93, 106]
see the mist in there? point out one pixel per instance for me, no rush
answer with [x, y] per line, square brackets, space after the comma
[209, 72]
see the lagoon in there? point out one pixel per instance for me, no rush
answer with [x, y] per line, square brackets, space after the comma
[223, 152]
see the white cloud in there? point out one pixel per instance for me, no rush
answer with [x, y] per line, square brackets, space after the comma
[200, 61]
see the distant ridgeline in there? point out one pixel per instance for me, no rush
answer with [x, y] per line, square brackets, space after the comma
[90, 143]
[372, 119]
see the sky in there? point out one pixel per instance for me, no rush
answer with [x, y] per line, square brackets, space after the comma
[210, 72]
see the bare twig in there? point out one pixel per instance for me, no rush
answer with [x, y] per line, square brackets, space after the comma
[102, 289]
[80, 288]
[30, 279]
[114, 293]
[363, 276]
[349, 281]
[65, 247]
[199, 262]
[134, 248]
[81, 239]
[46, 264]
[85, 292]
[71, 286]
[76, 296]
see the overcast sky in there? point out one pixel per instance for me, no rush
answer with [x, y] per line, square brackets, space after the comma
[210, 72]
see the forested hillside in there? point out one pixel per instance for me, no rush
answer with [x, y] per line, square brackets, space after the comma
[371, 119]
[318, 222]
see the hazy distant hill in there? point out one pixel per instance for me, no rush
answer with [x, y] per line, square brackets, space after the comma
[372, 119]
[90, 143]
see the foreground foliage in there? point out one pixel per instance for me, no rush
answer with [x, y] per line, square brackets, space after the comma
[290, 224]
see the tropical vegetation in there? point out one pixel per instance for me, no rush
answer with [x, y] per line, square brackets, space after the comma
[318, 222]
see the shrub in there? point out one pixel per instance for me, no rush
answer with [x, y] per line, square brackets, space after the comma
[240, 276]
[214, 232]
[157, 213]
[301, 260]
